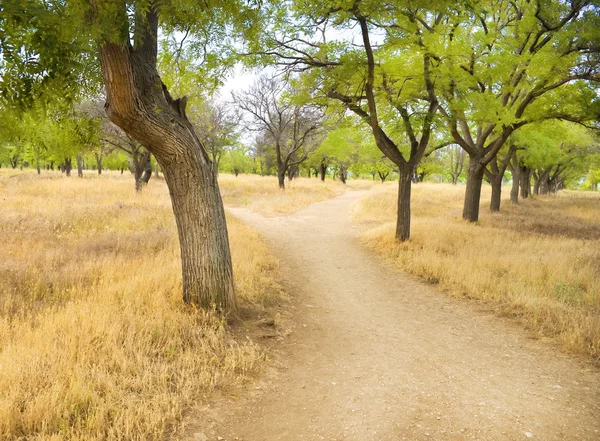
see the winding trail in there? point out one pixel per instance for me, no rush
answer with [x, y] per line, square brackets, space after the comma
[375, 354]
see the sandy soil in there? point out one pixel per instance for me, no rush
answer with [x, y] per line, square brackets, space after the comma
[375, 354]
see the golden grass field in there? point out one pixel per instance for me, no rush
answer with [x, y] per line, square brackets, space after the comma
[95, 342]
[262, 194]
[538, 261]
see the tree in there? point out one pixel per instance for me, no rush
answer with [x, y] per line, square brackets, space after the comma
[139, 157]
[456, 162]
[392, 93]
[291, 128]
[217, 128]
[342, 147]
[552, 152]
[125, 37]
[502, 65]
[237, 160]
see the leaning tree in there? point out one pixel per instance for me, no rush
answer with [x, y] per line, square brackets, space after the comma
[50, 48]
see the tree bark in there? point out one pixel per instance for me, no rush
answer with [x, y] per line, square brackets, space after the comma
[536, 183]
[514, 190]
[323, 170]
[99, 162]
[156, 175]
[343, 174]
[79, 166]
[68, 166]
[496, 183]
[139, 103]
[281, 168]
[281, 179]
[473, 190]
[404, 191]
[525, 181]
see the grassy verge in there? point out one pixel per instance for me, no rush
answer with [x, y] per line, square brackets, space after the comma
[538, 261]
[95, 342]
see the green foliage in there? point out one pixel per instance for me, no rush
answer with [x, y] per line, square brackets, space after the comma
[237, 159]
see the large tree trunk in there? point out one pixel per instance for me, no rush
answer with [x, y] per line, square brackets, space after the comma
[404, 190]
[139, 103]
[473, 190]
[79, 166]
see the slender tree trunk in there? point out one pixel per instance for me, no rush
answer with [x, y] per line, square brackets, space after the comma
[514, 190]
[37, 164]
[68, 166]
[536, 184]
[473, 190]
[544, 186]
[343, 174]
[281, 168]
[323, 170]
[525, 181]
[99, 162]
[496, 183]
[292, 172]
[139, 103]
[156, 175]
[79, 166]
[404, 190]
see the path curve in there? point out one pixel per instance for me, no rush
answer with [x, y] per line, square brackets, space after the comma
[375, 354]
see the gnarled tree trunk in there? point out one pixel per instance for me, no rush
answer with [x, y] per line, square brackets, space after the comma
[139, 103]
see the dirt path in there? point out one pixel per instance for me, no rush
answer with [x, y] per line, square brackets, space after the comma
[377, 355]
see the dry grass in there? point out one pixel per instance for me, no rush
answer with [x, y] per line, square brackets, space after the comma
[262, 193]
[95, 342]
[538, 261]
